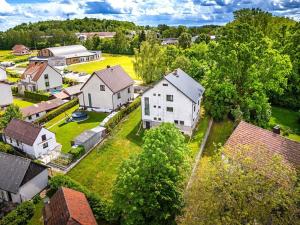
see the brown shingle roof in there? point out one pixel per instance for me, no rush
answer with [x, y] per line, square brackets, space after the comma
[115, 78]
[248, 134]
[41, 107]
[34, 71]
[22, 131]
[68, 206]
[19, 48]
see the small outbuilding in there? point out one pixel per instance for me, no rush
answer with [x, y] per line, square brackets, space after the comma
[89, 138]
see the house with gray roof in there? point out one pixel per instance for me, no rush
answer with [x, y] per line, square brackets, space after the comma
[107, 90]
[174, 99]
[20, 178]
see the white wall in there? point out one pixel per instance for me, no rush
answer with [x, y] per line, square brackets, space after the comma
[6, 97]
[103, 100]
[54, 78]
[183, 107]
[35, 117]
[28, 190]
[3, 75]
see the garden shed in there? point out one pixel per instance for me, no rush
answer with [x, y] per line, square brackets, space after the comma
[89, 138]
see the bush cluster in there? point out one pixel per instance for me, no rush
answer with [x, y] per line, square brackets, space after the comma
[54, 113]
[77, 152]
[36, 96]
[21, 215]
[14, 90]
[6, 148]
[122, 113]
[102, 209]
[70, 82]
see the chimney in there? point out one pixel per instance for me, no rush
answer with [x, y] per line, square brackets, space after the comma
[108, 66]
[175, 73]
[276, 129]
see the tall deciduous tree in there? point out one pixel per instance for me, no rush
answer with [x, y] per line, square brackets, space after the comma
[185, 40]
[149, 62]
[244, 70]
[149, 187]
[248, 186]
[12, 111]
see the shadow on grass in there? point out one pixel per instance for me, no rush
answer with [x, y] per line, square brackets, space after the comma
[136, 135]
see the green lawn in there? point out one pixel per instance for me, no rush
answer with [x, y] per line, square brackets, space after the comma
[5, 55]
[22, 102]
[61, 116]
[288, 121]
[109, 59]
[219, 133]
[99, 169]
[37, 218]
[66, 132]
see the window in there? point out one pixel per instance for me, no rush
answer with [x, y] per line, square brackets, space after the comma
[147, 107]
[155, 118]
[46, 76]
[102, 87]
[159, 107]
[37, 115]
[17, 143]
[44, 137]
[165, 84]
[154, 106]
[181, 122]
[10, 140]
[119, 95]
[194, 108]
[129, 90]
[198, 102]
[47, 84]
[159, 119]
[158, 94]
[169, 109]
[45, 145]
[154, 94]
[170, 98]
[29, 117]
[176, 121]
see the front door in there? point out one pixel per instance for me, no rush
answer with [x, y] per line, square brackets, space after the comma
[148, 125]
[90, 100]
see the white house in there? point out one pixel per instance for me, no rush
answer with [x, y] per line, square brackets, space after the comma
[40, 77]
[175, 99]
[20, 178]
[6, 97]
[33, 140]
[107, 90]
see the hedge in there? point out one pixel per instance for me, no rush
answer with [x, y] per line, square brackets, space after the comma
[14, 90]
[102, 210]
[6, 148]
[36, 96]
[54, 113]
[20, 216]
[77, 152]
[121, 114]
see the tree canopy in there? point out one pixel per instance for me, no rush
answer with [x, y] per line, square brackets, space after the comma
[11, 112]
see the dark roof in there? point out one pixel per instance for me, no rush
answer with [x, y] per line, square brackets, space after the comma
[73, 90]
[68, 206]
[22, 131]
[186, 84]
[248, 134]
[41, 107]
[115, 78]
[16, 171]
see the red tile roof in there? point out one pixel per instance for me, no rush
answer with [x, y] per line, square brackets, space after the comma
[34, 71]
[22, 131]
[68, 206]
[248, 134]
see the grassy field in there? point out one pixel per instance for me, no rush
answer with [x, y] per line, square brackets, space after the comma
[66, 132]
[99, 169]
[288, 121]
[109, 59]
[61, 116]
[22, 103]
[5, 55]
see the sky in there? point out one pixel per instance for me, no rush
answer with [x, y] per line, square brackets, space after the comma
[142, 12]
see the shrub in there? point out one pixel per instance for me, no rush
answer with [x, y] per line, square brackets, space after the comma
[14, 90]
[102, 209]
[77, 152]
[36, 199]
[54, 113]
[38, 96]
[12, 74]
[121, 114]
[70, 82]
[6, 148]
[20, 216]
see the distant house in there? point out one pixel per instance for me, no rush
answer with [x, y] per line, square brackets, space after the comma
[6, 97]
[107, 90]
[33, 112]
[31, 139]
[175, 99]
[20, 50]
[68, 207]
[101, 35]
[40, 77]
[69, 92]
[169, 41]
[251, 135]
[20, 178]
[71, 54]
